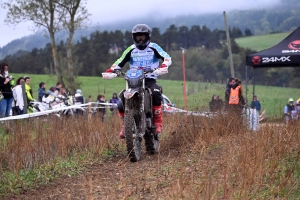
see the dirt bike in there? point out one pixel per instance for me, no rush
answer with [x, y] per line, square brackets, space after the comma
[50, 102]
[138, 115]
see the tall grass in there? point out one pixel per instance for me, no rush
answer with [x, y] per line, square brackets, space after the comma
[200, 158]
[31, 143]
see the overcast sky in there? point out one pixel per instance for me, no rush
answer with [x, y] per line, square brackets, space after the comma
[107, 11]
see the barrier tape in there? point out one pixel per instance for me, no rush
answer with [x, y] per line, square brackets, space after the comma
[47, 112]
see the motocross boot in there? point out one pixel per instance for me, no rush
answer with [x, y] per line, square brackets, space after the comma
[157, 118]
[121, 135]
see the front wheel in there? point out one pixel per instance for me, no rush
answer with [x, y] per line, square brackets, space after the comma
[133, 141]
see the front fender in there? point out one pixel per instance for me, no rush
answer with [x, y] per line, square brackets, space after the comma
[131, 92]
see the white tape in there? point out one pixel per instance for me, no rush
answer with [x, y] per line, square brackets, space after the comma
[36, 114]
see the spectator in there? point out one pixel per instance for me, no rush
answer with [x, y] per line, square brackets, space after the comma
[230, 83]
[114, 100]
[63, 92]
[236, 96]
[213, 104]
[51, 91]
[289, 111]
[18, 96]
[42, 90]
[255, 113]
[79, 97]
[28, 93]
[242, 101]
[236, 102]
[6, 84]
[49, 96]
[57, 88]
[102, 109]
[297, 107]
[220, 103]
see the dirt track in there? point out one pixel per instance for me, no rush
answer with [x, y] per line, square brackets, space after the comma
[104, 181]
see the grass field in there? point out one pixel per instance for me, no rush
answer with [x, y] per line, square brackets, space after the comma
[261, 42]
[273, 99]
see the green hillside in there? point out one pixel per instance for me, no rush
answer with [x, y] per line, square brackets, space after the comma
[261, 42]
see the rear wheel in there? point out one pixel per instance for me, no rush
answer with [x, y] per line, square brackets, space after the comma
[133, 142]
[151, 143]
[156, 142]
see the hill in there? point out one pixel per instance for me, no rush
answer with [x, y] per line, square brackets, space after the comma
[261, 42]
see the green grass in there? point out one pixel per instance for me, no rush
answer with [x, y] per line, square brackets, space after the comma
[261, 42]
[32, 178]
[273, 99]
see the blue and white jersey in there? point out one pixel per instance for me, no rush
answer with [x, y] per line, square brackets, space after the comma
[145, 59]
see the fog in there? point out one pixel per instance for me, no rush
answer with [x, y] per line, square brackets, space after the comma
[109, 11]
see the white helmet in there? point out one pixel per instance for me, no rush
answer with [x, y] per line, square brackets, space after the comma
[78, 91]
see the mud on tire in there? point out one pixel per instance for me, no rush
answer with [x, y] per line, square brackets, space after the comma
[133, 143]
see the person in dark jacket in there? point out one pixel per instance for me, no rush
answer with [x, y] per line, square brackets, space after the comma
[102, 109]
[114, 100]
[255, 113]
[213, 104]
[42, 90]
[6, 84]
[230, 83]
[255, 104]
[220, 103]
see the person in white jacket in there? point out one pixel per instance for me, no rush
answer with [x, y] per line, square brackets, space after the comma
[18, 96]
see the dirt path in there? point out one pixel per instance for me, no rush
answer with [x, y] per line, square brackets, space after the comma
[117, 178]
[108, 180]
[163, 176]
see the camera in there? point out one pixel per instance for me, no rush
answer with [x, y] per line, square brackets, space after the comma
[11, 81]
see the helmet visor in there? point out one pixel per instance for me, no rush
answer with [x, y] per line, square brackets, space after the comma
[140, 38]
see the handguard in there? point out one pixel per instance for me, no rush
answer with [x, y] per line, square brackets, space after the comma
[106, 75]
[161, 71]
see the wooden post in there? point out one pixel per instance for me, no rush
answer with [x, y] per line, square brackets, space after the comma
[229, 46]
[184, 81]
[24, 97]
[90, 109]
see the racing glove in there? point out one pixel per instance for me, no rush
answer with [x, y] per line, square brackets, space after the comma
[109, 70]
[163, 66]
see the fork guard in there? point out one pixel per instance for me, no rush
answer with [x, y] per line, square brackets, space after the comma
[131, 92]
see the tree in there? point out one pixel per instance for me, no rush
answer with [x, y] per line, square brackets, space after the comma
[76, 14]
[42, 13]
[248, 32]
[170, 37]
[54, 15]
[156, 36]
[182, 36]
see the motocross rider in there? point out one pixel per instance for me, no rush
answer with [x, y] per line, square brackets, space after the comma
[144, 54]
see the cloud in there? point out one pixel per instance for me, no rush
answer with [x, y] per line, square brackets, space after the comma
[114, 10]
[104, 12]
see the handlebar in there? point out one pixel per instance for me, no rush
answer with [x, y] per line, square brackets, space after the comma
[118, 72]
